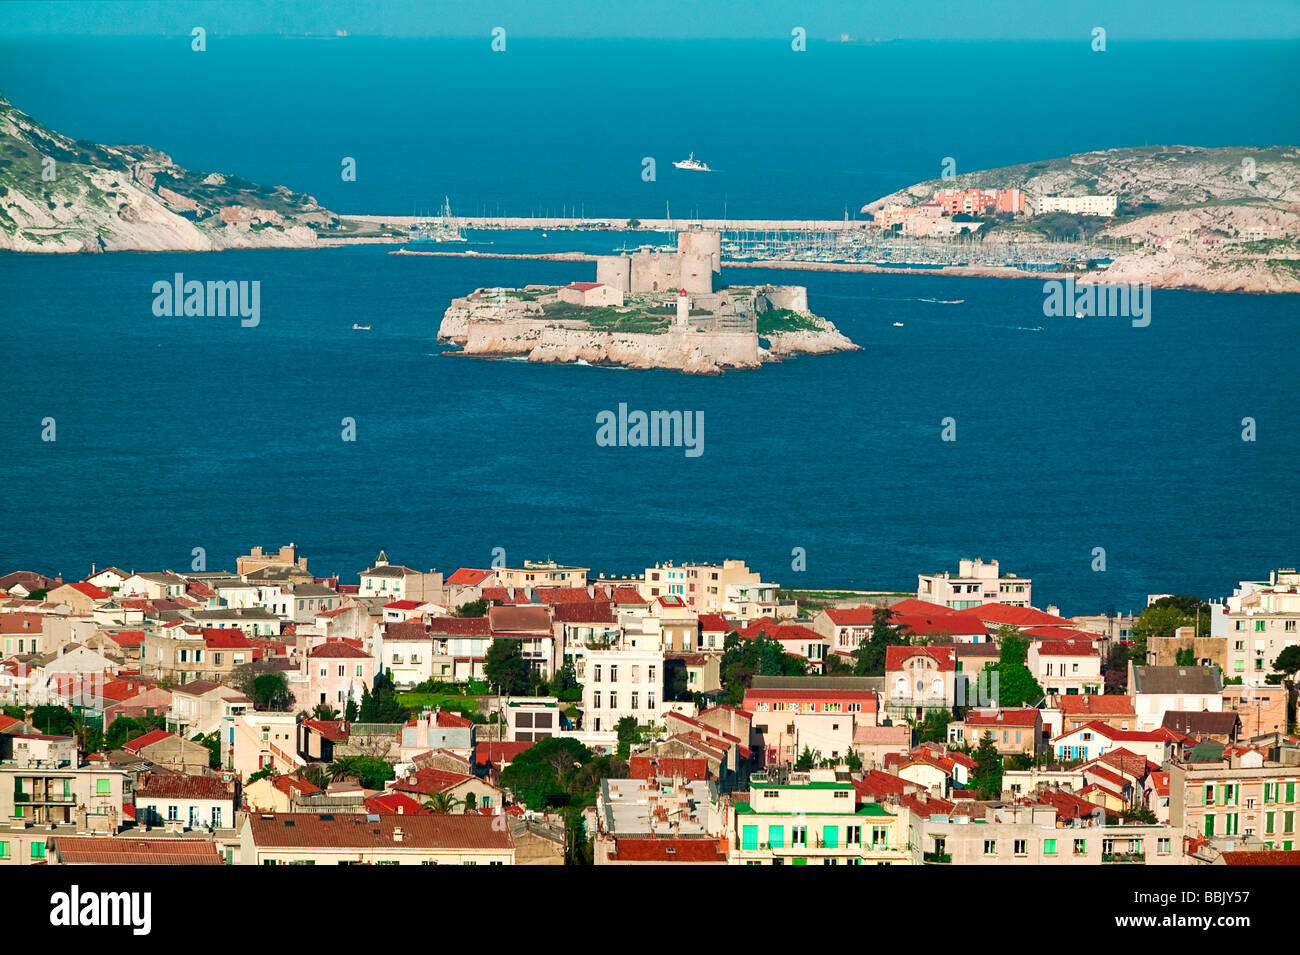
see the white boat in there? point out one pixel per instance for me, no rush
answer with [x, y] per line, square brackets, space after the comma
[692, 164]
[360, 328]
[898, 324]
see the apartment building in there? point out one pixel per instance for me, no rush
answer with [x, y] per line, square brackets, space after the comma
[814, 818]
[1065, 667]
[1034, 834]
[1156, 690]
[1258, 621]
[396, 582]
[1244, 795]
[975, 583]
[619, 683]
[702, 586]
[1078, 205]
[541, 573]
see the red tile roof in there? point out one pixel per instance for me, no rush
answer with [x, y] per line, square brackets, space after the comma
[91, 591]
[1114, 704]
[468, 577]
[393, 804]
[461, 626]
[1026, 717]
[1016, 616]
[148, 739]
[498, 752]
[354, 830]
[696, 851]
[1067, 648]
[587, 611]
[896, 656]
[336, 731]
[715, 623]
[123, 850]
[403, 605]
[183, 786]
[430, 781]
[657, 767]
[337, 649]
[852, 616]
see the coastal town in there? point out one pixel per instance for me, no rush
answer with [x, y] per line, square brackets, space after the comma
[540, 713]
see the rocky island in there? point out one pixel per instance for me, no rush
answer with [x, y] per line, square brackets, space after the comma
[63, 195]
[1223, 219]
[649, 309]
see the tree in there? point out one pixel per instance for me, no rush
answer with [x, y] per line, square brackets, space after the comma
[1288, 661]
[869, 657]
[627, 734]
[988, 768]
[471, 802]
[564, 685]
[325, 712]
[505, 666]
[270, 691]
[744, 659]
[53, 720]
[370, 771]
[1156, 621]
[806, 760]
[472, 608]
[381, 706]
[441, 803]
[351, 710]
[315, 773]
[213, 743]
[1185, 657]
[853, 760]
[1016, 686]
[126, 728]
[934, 727]
[1193, 608]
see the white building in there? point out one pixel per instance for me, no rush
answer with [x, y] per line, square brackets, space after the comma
[1258, 621]
[619, 683]
[1079, 205]
[975, 584]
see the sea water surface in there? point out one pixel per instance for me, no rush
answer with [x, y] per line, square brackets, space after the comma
[176, 433]
[1071, 434]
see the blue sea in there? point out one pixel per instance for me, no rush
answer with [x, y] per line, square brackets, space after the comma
[177, 433]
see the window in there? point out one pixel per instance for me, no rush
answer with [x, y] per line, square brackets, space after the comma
[4, 850]
[173, 813]
[1164, 846]
[990, 847]
[595, 700]
[1209, 795]
[596, 674]
[1080, 847]
[1049, 847]
[613, 673]
[650, 701]
[650, 677]
[852, 836]
[1021, 847]
[613, 700]
[636, 699]
[798, 835]
[38, 850]
[103, 787]
[416, 659]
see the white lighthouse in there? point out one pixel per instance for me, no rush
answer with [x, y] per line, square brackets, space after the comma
[683, 309]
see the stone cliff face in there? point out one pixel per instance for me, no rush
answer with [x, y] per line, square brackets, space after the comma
[61, 195]
[487, 329]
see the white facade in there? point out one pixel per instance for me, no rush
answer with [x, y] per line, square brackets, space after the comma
[619, 683]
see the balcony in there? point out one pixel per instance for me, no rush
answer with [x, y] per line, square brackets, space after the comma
[938, 858]
[1124, 857]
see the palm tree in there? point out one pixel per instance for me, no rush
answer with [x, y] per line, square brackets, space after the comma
[441, 803]
[342, 768]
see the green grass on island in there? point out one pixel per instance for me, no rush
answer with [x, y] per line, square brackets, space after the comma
[777, 320]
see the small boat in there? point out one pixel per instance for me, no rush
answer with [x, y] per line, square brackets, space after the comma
[1078, 314]
[360, 328]
[898, 324]
[692, 164]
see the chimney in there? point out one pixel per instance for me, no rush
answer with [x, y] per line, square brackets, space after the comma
[397, 833]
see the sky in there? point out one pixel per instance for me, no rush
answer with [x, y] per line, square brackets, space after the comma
[668, 19]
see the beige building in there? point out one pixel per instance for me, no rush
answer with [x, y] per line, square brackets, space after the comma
[1261, 709]
[1244, 796]
[1258, 621]
[256, 559]
[542, 573]
[1031, 835]
[1077, 205]
[702, 586]
[395, 582]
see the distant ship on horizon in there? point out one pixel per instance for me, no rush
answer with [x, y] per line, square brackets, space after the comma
[690, 162]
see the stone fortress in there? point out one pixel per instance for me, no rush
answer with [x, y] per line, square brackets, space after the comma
[689, 273]
[710, 329]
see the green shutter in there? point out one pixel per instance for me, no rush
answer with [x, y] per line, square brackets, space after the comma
[1290, 792]
[831, 837]
[749, 837]
[1209, 825]
[776, 837]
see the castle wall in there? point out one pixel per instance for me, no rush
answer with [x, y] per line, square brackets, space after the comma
[705, 243]
[615, 271]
